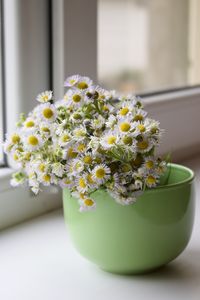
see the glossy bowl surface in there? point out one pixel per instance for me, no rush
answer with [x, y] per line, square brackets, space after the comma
[137, 238]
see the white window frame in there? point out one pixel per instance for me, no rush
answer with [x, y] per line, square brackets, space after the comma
[75, 51]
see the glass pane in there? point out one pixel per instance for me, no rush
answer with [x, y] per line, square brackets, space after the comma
[1, 104]
[148, 45]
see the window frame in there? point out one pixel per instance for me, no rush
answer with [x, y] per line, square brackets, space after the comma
[18, 204]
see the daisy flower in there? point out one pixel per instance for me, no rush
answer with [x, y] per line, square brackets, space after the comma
[29, 124]
[149, 163]
[90, 181]
[110, 139]
[70, 153]
[111, 121]
[32, 141]
[40, 166]
[139, 115]
[45, 179]
[18, 178]
[98, 122]
[87, 158]
[13, 139]
[57, 169]
[79, 133]
[144, 145]
[47, 112]
[75, 98]
[45, 129]
[64, 139]
[151, 180]
[81, 183]
[125, 109]
[45, 96]
[66, 182]
[125, 125]
[71, 80]
[83, 82]
[77, 166]
[7, 146]
[76, 117]
[87, 204]
[101, 173]
[81, 147]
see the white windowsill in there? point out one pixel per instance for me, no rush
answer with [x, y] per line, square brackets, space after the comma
[39, 262]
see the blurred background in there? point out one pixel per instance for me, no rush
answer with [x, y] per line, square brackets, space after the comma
[148, 45]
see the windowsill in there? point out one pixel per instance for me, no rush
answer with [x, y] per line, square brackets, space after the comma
[38, 261]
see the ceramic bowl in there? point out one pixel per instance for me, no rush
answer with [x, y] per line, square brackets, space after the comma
[140, 237]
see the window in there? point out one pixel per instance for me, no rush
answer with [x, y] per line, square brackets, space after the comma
[148, 45]
[1, 92]
[27, 63]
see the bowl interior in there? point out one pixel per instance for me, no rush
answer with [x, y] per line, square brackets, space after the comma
[176, 175]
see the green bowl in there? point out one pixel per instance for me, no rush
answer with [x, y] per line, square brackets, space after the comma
[140, 237]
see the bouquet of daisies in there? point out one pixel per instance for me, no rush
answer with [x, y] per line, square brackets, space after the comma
[90, 139]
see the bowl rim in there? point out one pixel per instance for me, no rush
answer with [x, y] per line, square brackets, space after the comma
[191, 176]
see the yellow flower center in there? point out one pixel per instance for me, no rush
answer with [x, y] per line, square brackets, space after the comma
[46, 178]
[125, 126]
[82, 183]
[87, 159]
[42, 167]
[33, 140]
[82, 85]
[105, 108]
[137, 161]
[154, 130]
[143, 145]
[71, 153]
[149, 164]
[20, 149]
[141, 128]
[151, 179]
[81, 147]
[15, 157]
[89, 179]
[138, 118]
[15, 139]
[100, 173]
[126, 168]
[82, 196]
[9, 147]
[72, 81]
[98, 160]
[124, 111]
[88, 202]
[45, 129]
[111, 140]
[79, 133]
[48, 113]
[31, 175]
[27, 156]
[127, 140]
[67, 181]
[30, 124]
[65, 138]
[76, 98]
[78, 165]
[45, 98]
[77, 116]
